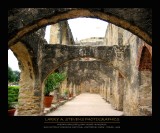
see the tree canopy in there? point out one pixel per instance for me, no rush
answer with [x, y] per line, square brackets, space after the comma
[13, 76]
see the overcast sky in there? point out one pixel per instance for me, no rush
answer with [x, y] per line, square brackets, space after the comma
[81, 28]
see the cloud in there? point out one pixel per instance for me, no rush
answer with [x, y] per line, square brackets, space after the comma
[87, 27]
[12, 61]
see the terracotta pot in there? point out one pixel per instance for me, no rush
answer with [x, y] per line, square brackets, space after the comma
[71, 95]
[48, 101]
[11, 112]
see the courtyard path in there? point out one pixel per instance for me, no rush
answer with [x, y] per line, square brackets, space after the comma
[86, 104]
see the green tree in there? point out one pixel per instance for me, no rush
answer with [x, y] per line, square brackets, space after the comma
[16, 75]
[10, 74]
[13, 75]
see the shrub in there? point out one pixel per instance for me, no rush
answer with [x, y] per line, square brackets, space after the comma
[13, 92]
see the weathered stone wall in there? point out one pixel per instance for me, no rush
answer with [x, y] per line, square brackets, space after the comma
[131, 93]
[55, 34]
[86, 76]
[56, 55]
[135, 94]
[117, 36]
[111, 35]
[145, 81]
[116, 90]
[60, 33]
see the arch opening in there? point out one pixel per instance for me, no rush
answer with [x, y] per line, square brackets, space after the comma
[28, 89]
[74, 13]
[79, 85]
[142, 67]
[145, 83]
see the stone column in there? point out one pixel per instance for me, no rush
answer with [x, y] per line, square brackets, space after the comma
[30, 92]
[108, 90]
[145, 93]
[55, 34]
[120, 92]
[74, 90]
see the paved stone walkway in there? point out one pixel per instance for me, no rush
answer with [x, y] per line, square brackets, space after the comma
[86, 104]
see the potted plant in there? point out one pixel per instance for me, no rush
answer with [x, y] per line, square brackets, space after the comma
[11, 107]
[13, 92]
[52, 82]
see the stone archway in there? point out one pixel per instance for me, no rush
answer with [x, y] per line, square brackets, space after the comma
[104, 86]
[20, 22]
[41, 59]
[50, 70]
[28, 99]
[26, 20]
[56, 55]
[145, 81]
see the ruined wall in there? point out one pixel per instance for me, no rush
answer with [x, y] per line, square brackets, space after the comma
[116, 36]
[56, 55]
[134, 97]
[115, 94]
[131, 103]
[145, 81]
[60, 33]
[91, 41]
[55, 34]
[135, 93]
[29, 54]
[111, 35]
[86, 76]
